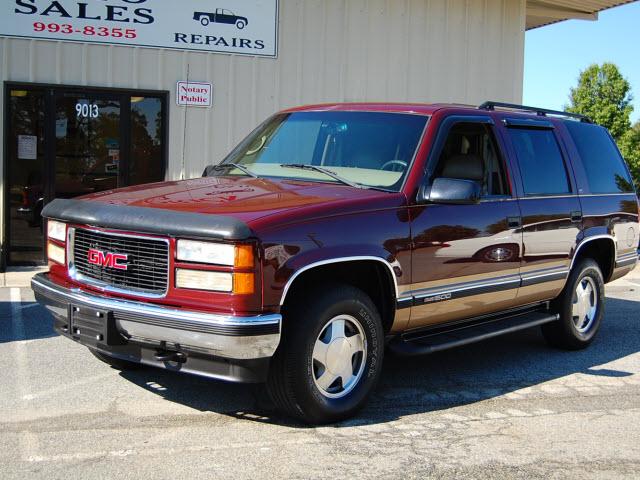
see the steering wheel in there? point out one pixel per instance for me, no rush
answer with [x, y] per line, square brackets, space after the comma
[392, 165]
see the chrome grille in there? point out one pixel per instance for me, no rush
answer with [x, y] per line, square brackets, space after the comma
[147, 263]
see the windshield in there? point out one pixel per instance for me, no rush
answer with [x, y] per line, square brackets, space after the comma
[366, 148]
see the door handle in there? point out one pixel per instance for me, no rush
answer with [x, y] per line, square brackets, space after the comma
[514, 222]
[576, 216]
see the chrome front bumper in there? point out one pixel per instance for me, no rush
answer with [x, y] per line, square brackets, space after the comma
[226, 336]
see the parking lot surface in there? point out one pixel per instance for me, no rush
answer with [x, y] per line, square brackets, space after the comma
[508, 407]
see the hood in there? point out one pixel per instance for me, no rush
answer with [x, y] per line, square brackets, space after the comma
[250, 199]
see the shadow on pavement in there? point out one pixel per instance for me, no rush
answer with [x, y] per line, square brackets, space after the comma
[429, 383]
[36, 322]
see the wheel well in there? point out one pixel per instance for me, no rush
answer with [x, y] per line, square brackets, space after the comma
[372, 277]
[602, 251]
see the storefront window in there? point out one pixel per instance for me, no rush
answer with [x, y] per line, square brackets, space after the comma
[146, 140]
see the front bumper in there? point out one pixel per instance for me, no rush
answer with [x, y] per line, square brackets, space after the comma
[135, 330]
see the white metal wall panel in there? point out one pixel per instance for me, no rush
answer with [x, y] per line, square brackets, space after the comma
[462, 51]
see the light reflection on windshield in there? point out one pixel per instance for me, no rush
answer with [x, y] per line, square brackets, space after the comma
[368, 148]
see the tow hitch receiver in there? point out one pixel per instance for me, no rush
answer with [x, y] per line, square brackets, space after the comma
[167, 356]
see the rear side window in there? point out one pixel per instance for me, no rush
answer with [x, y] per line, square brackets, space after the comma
[541, 163]
[605, 169]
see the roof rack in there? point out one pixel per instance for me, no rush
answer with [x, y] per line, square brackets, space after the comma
[538, 111]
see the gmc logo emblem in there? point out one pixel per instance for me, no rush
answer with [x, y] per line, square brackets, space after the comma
[110, 260]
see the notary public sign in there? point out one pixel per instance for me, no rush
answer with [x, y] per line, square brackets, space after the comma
[248, 27]
[194, 94]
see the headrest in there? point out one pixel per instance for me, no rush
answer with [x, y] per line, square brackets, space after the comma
[467, 167]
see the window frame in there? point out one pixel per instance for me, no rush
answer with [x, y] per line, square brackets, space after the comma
[510, 123]
[442, 135]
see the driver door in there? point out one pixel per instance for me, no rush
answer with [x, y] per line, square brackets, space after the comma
[466, 258]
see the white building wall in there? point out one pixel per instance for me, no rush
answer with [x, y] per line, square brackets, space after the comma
[462, 51]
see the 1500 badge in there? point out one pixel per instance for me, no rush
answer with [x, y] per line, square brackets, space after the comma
[441, 297]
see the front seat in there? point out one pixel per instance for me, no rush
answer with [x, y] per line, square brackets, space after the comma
[464, 167]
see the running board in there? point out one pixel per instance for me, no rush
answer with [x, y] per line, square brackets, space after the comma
[459, 335]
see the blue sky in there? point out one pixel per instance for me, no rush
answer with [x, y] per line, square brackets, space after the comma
[555, 55]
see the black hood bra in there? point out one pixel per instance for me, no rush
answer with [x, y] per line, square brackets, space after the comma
[147, 220]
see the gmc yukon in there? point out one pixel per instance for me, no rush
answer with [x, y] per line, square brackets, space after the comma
[334, 232]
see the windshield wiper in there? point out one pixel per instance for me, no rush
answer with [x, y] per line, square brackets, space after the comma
[326, 171]
[226, 166]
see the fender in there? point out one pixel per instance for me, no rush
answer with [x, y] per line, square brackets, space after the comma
[586, 240]
[392, 267]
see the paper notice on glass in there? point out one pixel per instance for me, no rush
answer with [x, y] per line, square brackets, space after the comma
[27, 147]
[61, 128]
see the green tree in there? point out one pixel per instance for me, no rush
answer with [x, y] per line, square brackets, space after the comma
[630, 148]
[604, 95]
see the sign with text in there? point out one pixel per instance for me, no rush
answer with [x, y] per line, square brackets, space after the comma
[247, 27]
[27, 147]
[194, 94]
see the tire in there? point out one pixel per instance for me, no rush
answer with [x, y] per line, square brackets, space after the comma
[116, 363]
[299, 383]
[205, 21]
[240, 24]
[581, 308]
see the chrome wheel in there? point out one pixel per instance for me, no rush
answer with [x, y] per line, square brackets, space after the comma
[339, 356]
[585, 304]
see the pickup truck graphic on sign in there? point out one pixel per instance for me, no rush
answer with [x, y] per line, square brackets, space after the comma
[221, 15]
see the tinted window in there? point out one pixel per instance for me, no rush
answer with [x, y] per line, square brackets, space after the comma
[470, 152]
[602, 162]
[541, 164]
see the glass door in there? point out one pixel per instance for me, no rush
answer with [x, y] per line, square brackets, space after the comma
[62, 142]
[26, 174]
[88, 141]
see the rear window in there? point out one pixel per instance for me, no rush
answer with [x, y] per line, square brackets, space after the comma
[541, 163]
[605, 169]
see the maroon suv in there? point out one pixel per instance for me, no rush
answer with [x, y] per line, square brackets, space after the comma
[333, 231]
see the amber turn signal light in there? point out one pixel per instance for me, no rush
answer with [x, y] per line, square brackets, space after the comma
[243, 283]
[244, 256]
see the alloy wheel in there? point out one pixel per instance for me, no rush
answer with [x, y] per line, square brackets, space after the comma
[339, 356]
[585, 304]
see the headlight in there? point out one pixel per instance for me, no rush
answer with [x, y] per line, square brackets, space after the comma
[57, 230]
[55, 253]
[215, 253]
[204, 280]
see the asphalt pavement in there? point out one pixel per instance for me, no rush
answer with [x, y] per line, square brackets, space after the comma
[507, 408]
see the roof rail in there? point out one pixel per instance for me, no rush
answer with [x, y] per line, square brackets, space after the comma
[538, 111]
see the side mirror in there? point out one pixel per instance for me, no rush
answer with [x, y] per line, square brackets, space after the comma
[451, 191]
